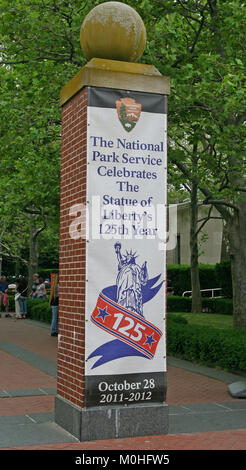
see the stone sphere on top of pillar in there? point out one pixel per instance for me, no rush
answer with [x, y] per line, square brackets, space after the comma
[115, 31]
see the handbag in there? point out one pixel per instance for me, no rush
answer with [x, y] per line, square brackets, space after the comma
[18, 294]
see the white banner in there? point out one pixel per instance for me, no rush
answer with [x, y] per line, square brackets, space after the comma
[126, 269]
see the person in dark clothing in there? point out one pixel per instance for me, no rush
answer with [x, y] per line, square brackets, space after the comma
[54, 302]
[3, 293]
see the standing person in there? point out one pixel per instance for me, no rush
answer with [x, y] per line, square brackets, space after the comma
[34, 285]
[41, 290]
[3, 292]
[47, 283]
[22, 290]
[17, 305]
[54, 302]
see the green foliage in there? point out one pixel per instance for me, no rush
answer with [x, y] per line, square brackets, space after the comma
[223, 306]
[180, 278]
[208, 346]
[11, 303]
[36, 39]
[39, 310]
[223, 275]
[191, 42]
[46, 272]
[176, 303]
[216, 320]
[207, 276]
[210, 277]
[215, 305]
[177, 319]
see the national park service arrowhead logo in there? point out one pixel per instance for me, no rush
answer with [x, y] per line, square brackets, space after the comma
[128, 112]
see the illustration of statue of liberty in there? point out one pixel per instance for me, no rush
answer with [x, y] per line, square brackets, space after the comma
[129, 280]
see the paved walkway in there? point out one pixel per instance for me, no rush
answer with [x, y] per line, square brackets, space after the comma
[202, 413]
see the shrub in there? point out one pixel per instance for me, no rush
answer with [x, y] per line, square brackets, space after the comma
[11, 303]
[208, 346]
[46, 272]
[180, 278]
[178, 304]
[223, 276]
[224, 306]
[39, 310]
[215, 305]
[208, 278]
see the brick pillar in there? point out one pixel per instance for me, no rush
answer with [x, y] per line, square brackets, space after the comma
[70, 383]
[90, 423]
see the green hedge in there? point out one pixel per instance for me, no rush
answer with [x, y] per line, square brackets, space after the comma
[46, 272]
[225, 349]
[223, 306]
[223, 275]
[180, 279]
[39, 310]
[210, 276]
[215, 305]
[176, 303]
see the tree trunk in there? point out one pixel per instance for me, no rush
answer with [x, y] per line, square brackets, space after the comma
[237, 239]
[33, 254]
[225, 244]
[194, 266]
[17, 268]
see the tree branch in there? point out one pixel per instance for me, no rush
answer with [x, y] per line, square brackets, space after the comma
[11, 255]
[39, 230]
[209, 197]
[220, 202]
[41, 58]
[205, 221]
[197, 34]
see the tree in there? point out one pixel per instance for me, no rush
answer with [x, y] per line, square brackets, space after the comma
[206, 62]
[29, 184]
[188, 40]
[193, 195]
[30, 151]
[38, 55]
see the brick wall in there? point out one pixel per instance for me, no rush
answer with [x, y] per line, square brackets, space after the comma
[72, 265]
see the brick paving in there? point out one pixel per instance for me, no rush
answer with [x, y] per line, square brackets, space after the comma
[184, 387]
[30, 335]
[15, 373]
[222, 440]
[22, 405]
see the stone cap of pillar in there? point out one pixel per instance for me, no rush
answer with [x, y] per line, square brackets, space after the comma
[116, 74]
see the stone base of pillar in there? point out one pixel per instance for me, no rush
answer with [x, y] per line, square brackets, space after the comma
[91, 424]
